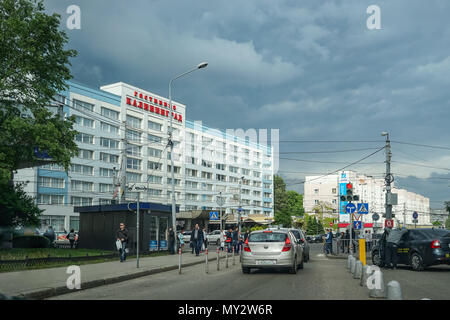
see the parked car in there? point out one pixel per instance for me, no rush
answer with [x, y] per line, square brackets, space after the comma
[187, 236]
[418, 248]
[214, 237]
[272, 249]
[300, 236]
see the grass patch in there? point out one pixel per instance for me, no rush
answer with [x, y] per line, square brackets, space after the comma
[58, 264]
[20, 254]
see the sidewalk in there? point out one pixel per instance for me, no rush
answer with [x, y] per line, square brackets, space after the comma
[44, 283]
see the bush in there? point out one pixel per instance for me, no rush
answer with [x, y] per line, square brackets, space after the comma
[31, 241]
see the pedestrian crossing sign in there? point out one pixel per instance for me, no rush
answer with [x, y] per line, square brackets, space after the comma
[363, 208]
[214, 216]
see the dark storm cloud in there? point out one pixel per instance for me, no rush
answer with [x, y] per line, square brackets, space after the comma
[309, 68]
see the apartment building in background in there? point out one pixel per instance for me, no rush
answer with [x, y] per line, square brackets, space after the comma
[322, 194]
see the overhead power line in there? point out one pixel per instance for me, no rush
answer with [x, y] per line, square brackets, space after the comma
[340, 169]
[421, 145]
[329, 151]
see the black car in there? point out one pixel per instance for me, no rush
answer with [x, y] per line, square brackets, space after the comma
[418, 248]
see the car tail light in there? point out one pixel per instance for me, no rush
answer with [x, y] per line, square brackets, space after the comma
[246, 246]
[287, 245]
[436, 244]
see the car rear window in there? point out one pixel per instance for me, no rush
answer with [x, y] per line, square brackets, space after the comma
[433, 233]
[267, 237]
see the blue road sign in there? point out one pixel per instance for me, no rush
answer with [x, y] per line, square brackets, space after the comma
[363, 208]
[350, 208]
[239, 209]
[213, 216]
[357, 224]
[415, 215]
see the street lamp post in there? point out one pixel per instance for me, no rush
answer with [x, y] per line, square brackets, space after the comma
[200, 66]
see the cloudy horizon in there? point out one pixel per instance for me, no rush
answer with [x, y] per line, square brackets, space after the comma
[311, 69]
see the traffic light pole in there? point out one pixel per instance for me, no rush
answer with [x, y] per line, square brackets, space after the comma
[388, 178]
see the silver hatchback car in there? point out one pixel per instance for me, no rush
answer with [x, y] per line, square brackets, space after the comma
[272, 249]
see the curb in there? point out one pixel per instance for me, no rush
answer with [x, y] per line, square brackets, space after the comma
[45, 293]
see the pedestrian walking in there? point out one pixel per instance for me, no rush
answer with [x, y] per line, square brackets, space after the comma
[71, 236]
[235, 239]
[392, 241]
[229, 239]
[246, 234]
[50, 234]
[171, 240]
[205, 240]
[122, 237]
[347, 241]
[197, 237]
[342, 239]
[329, 242]
[368, 237]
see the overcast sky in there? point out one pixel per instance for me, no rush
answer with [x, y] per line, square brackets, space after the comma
[311, 69]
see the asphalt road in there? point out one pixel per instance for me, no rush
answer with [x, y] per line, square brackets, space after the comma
[321, 278]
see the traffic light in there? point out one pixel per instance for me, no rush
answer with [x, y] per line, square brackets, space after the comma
[349, 192]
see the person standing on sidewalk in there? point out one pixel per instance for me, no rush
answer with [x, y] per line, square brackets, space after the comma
[71, 236]
[171, 238]
[197, 239]
[235, 239]
[329, 242]
[122, 235]
[229, 239]
[392, 241]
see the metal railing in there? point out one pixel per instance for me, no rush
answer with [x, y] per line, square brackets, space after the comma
[342, 246]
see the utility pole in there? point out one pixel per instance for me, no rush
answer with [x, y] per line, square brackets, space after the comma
[123, 166]
[388, 177]
[240, 203]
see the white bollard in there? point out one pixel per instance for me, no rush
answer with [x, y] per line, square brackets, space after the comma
[376, 285]
[349, 259]
[394, 291]
[206, 260]
[179, 261]
[353, 265]
[358, 270]
[364, 275]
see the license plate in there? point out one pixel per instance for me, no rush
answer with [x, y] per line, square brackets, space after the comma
[265, 262]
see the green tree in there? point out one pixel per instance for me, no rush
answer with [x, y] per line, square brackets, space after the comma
[294, 202]
[437, 224]
[16, 207]
[34, 66]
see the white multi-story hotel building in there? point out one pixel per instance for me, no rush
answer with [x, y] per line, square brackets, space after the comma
[322, 194]
[123, 130]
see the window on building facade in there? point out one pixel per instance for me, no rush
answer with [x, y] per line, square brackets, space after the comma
[84, 138]
[85, 154]
[110, 113]
[83, 106]
[134, 164]
[84, 122]
[109, 128]
[110, 158]
[133, 122]
[106, 188]
[134, 177]
[154, 179]
[81, 201]
[53, 167]
[82, 169]
[154, 166]
[154, 126]
[152, 152]
[316, 191]
[104, 172]
[56, 222]
[50, 199]
[77, 185]
[153, 138]
[134, 150]
[109, 143]
[74, 223]
[48, 182]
